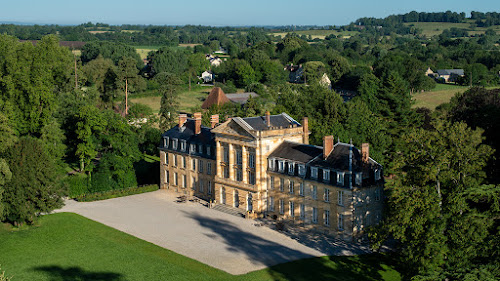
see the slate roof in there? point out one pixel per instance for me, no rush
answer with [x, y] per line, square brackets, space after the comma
[459, 72]
[259, 123]
[216, 97]
[339, 158]
[186, 132]
[296, 152]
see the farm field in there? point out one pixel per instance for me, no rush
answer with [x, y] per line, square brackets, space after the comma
[439, 95]
[66, 246]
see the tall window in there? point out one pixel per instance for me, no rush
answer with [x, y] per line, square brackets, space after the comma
[251, 160]
[251, 177]
[327, 217]
[193, 183]
[282, 184]
[340, 200]
[209, 168]
[176, 179]
[271, 204]
[184, 181]
[301, 189]
[175, 161]
[183, 159]
[200, 166]
[327, 195]
[166, 158]
[302, 211]
[238, 157]
[315, 215]
[225, 169]
[201, 186]
[314, 192]
[340, 222]
[291, 186]
[166, 176]
[226, 153]
[239, 174]
[282, 206]
[209, 187]
[292, 209]
[377, 194]
[193, 164]
[271, 182]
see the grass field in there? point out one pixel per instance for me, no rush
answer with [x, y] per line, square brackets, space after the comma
[439, 95]
[187, 99]
[67, 246]
[430, 29]
[317, 33]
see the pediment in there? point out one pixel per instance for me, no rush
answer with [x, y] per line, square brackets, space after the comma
[233, 129]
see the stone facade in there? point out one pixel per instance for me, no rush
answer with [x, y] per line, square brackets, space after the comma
[265, 166]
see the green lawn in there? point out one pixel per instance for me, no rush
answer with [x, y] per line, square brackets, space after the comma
[187, 99]
[439, 95]
[430, 29]
[67, 246]
[319, 33]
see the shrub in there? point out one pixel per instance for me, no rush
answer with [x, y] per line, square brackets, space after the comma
[76, 185]
[115, 193]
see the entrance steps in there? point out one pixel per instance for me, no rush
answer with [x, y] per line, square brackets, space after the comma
[229, 210]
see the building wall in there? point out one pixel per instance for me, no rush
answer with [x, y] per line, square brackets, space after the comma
[194, 177]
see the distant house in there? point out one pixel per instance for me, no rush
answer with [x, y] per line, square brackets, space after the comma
[221, 51]
[214, 61]
[430, 73]
[325, 81]
[218, 97]
[296, 73]
[207, 77]
[450, 75]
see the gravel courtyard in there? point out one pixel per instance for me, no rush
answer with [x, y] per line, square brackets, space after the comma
[232, 244]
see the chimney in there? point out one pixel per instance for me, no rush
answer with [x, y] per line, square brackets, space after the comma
[305, 127]
[327, 146]
[365, 152]
[268, 119]
[197, 123]
[182, 119]
[214, 120]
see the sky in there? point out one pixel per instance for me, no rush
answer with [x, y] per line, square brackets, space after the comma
[224, 12]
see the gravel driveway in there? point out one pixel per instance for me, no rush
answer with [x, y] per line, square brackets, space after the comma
[229, 243]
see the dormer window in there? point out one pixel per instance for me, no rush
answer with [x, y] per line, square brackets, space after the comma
[291, 168]
[200, 148]
[281, 166]
[340, 178]
[271, 164]
[377, 174]
[174, 144]
[359, 178]
[208, 150]
[183, 145]
[302, 170]
[314, 172]
[326, 175]
[192, 148]
[165, 142]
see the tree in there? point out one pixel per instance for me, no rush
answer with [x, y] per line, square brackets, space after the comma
[89, 123]
[434, 209]
[126, 72]
[33, 189]
[169, 90]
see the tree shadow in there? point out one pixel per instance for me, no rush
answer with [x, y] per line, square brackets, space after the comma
[363, 267]
[257, 249]
[58, 273]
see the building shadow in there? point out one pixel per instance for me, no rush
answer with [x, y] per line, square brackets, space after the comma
[257, 249]
[328, 245]
[58, 273]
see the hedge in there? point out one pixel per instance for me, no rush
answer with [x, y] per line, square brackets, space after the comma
[115, 193]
